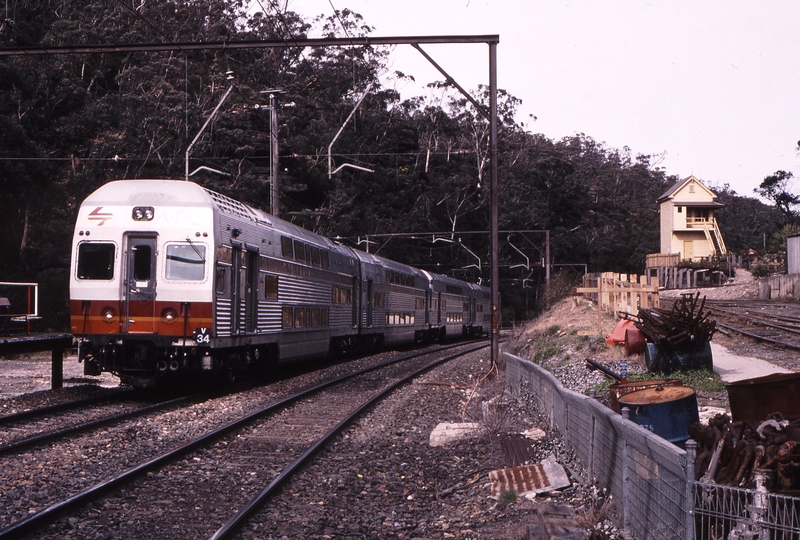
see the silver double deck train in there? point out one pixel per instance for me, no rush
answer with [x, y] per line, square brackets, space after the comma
[171, 279]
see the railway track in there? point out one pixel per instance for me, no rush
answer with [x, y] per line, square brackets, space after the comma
[251, 454]
[777, 323]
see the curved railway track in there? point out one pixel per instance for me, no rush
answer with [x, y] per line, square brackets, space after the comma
[262, 447]
[777, 323]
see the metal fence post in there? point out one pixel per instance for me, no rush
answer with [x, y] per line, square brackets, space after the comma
[626, 510]
[691, 456]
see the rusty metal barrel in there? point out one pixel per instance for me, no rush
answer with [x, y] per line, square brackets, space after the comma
[667, 411]
[620, 389]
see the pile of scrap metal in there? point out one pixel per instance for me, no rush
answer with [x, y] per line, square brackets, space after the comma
[729, 452]
[678, 338]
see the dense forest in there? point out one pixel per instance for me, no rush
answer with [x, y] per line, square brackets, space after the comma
[73, 122]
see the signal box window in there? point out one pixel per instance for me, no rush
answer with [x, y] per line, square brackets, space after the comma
[96, 261]
[186, 262]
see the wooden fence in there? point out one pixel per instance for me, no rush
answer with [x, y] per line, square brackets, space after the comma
[782, 287]
[687, 278]
[621, 292]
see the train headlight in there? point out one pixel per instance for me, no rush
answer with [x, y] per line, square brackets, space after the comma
[169, 315]
[143, 213]
[108, 315]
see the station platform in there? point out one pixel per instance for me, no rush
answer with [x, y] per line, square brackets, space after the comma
[33, 343]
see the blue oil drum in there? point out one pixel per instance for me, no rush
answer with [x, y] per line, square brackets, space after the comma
[667, 411]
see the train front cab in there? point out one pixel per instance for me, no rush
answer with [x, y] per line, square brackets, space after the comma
[125, 324]
[139, 284]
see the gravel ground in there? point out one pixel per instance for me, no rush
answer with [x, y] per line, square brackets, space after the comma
[382, 479]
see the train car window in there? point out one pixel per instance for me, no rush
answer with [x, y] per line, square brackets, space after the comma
[224, 254]
[220, 280]
[286, 247]
[444, 304]
[315, 318]
[142, 256]
[96, 260]
[323, 317]
[186, 262]
[325, 259]
[340, 295]
[288, 317]
[271, 287]
[379, 300]
[315, 256]
[299, 317]
[299, 251]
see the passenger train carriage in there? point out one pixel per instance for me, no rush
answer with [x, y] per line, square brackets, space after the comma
[169, 278]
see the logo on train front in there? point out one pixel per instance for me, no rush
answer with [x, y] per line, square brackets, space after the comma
[100, 217]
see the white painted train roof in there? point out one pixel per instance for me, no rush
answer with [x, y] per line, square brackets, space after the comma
[150, 192]
[155, 192]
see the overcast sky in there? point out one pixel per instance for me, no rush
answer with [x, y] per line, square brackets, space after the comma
[712, 85]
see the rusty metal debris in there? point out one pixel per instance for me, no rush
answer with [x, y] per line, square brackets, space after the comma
[677, 333]
[517, 450]
[620, 389]
[555, 522]
[728, 453]
[593, 364]
[529, 479]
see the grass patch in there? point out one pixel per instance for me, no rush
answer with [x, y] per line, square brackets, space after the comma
[507, 497]
[544, 350]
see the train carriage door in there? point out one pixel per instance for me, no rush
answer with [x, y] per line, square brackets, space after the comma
[356, 298]
[236, 285]
[428, 306]
[140, 283]
[472, 311]
[251, 291]
[369, 302]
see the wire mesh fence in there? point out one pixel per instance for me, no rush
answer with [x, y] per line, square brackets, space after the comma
[646, 475]
[744, 514]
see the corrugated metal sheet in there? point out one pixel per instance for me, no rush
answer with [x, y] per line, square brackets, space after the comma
[545, 476]
[793, 254]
